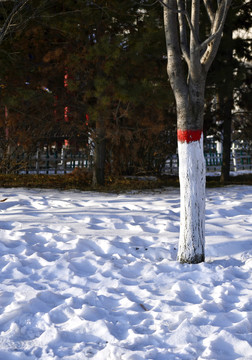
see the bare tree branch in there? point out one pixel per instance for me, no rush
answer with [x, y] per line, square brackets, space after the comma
[183, 33]
[217, 25]
[195, 11]
[194, 67]
[211, 44]
[10, 18]
[175, 68]
[209, 9]
[182, 12]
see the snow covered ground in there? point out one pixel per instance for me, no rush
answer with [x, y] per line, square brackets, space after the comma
[94, 276]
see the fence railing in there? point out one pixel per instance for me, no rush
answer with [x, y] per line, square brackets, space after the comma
[43, 162]
[239, 160]
[63, 162]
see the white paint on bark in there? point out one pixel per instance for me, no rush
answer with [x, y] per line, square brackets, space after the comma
[192, 176]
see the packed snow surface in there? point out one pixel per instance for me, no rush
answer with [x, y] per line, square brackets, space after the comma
[94, 276]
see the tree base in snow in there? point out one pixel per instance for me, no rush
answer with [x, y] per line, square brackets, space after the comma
[194, 260]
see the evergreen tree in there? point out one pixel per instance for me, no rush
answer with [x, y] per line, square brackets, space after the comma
[228, 78]
[106, 50]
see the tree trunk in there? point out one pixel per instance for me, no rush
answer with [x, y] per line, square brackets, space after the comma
[99, 154]
[192, 196]
[188, 61]
[226, 105]
[227, 133]
[192, 173]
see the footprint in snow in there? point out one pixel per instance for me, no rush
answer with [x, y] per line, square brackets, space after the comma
[186, 293]
[81, 266]
[6, 298]
[59, 315]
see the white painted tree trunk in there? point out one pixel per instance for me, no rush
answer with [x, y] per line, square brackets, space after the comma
[192, 201]
[188, 61]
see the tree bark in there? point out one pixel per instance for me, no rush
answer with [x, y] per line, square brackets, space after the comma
[192, 196]
[192, 172]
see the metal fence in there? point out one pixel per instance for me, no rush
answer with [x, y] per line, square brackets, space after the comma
[239, 160]
[65, 161]
[44, 162]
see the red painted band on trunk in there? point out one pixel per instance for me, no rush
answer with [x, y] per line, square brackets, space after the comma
[189, 135]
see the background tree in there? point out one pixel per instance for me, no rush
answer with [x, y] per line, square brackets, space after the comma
[109, 78]
[189, 60]
[227, 79]
[119, 79]
[14, 15]
[242, 123]
[144, 110]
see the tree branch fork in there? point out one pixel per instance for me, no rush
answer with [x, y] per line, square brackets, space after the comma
[208, 48]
